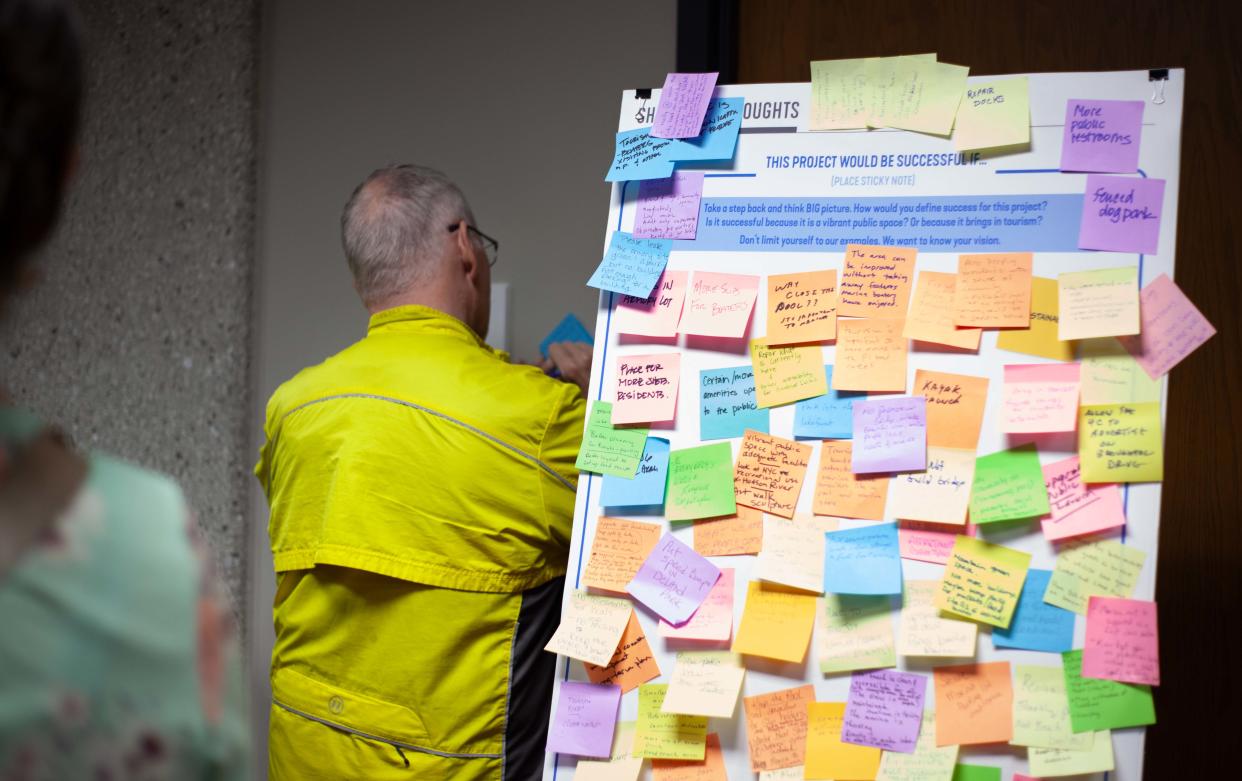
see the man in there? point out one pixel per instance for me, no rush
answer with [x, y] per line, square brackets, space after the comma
[421, 491]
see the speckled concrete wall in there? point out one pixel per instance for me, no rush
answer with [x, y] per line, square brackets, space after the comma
[137, 340]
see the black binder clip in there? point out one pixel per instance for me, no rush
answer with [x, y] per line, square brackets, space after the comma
[1159, 76]
[645, 93]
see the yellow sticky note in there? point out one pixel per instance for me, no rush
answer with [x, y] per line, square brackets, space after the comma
[802, 307]
[871, 355]
[661, 735]
[776, 623]
[705, 683]
[1110, 375]
[938, 494]
[1041, 710]
[929, 762]
[787, 374]
[793, 552]
[855, 633]
[914, 93]
[621, 765]
[931, 313]
[826, 756]
[1120, 443]
[924, 632]
[590, 627]
[993, 114]
[841, 92]
[1100, 302]
[982, 581]
[1041, 337]
[1100, 568]
[1057, 762]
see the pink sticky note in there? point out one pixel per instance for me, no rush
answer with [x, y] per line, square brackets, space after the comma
[719, 304]
[1040, 398]
[669, 208]
[674, 580]
[924, 541]
[1121, 214]
[1077, 508]
[586, 714]
[1021, 777]
[1102, 136]
[683, 104]
[1172, 328]
[1122, 642]
[646, 388]
[657, 314]
[714, 618]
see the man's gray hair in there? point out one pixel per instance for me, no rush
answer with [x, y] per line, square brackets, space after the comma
[394, 227]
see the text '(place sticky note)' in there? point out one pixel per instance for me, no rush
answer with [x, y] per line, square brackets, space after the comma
[657, 314]
[890, 435]
[982, 581]
[669, 208]
[787, 374]
[802, 307]
[994, 114]
[610, 451]
[842, 492]
[1172, 328]
[728, 405]
[1102, 136]
[769, 473]
[884, 710]
[683, 103]
[700, 483]
[1121, 214]
[674, 580]
[1122, 641]
[719, 304]
[586, 714]
[993, 291]
[876, 281]
[974, 704]
[646, 487]
[1040, 398]
[866, 560]
[1008, 485]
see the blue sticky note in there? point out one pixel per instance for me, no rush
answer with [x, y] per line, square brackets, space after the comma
[866, 560]
[570, 329]
[830, 416]
[645, 488]
[1036, 625]
[631, 266]
[639, 156]
[727, 403]
[718, 138]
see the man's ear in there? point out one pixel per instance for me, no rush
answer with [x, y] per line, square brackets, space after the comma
[465, 250]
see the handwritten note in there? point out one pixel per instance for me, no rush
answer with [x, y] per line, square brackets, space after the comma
[802, 307]
[661, 735]
[982, 581]
[933, 542]
[669, 208]
[591, 627]
[940, 493]
[1120, 443]
[1102, 136]
[1040, 337]
[700, 483]
[855, 633]
[656, 314]
[1111, 376]
[787, 374]
[1122, 214]
[1041, 710]
[712, 768]
[876, 281]
[793, 552]
[1056, 762]
[974, 704]
[1098, 704]
[1103, 302]
[890, 435]
[931, 313]
[841, 492]
[631, 266]
[1036, 625]
[841, 91]
[884, 710]
[646, 388]
[730, 535]
[674, 580]
[1093, 568]
[776, 622]
[826, 755]
[776, 725]
[769, 473]
[993, 114]
[717, 138]
[639, 156]
[924, 632]
[646, 488]
[719, 304]
[993, 291]
[1122, 642]
[727, 403]
[1172, 328]
[929, 762]
[1008, 485]
[683, 102]
[607, 450]
[585, 717]
[1040, 398]
[713, 620]
[621, 765]
[618, 549]
[705, 683]
[871, 356]
[830, 416]
[1078, 508]
[865, 560]
[632, 663]
[915, 93]
[955, 404]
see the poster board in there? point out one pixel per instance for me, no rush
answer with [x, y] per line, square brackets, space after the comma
[909, 169]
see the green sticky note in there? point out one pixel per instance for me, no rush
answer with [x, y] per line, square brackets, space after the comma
[855, 633]
[993, 114]
[1099, 704]
[607, 450]
[976, 773]
[700, 483]
[1008, 485]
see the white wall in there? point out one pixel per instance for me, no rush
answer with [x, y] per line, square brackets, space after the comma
[517, 101]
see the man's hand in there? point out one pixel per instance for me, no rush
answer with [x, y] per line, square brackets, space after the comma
[572, 360]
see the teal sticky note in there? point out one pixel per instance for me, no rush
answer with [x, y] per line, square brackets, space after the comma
[830, 416]
[718, 138]
[639, 156]
[631, 266]
[866, 560]
[1036, 625]
[727, 403]
[569, 329]
[646, 488]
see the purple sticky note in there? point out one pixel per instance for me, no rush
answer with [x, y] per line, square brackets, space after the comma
[683, 102]
[1172, 328]
[1121, 214]
[674, 580]
[890, 435]
[1102, 136]
[586, 715]
[884, 710]
[669, 208]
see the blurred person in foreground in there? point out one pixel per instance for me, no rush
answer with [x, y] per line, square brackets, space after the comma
[421, 490]
[116, 660]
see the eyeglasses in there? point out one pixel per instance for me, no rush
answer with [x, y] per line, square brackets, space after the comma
[491, 247]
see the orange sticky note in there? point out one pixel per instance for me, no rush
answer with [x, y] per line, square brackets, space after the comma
[876, 281]
[712, 768]
[776, 727]
[658, 313]
[993, 291]
[730, 535]
[974, 704]
[776, 622]
[719, 304]
[954, 407]
[714, 619]
[769, 473]
[618, 549]
[826, 756]
[632, 664]
[646, 388]
[802, 307]
[841, 492]
[931, 313]
[787, 374]
[871, 356]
